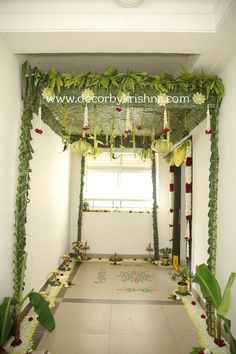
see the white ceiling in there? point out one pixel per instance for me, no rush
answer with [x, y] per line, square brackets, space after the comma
[156, 35]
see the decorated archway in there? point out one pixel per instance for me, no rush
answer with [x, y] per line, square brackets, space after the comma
[154, 113]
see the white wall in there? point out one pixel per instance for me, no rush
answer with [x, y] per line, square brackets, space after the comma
[124, 233]
[48, 210]
[227, 185]
[108, 233]
[10, 106]
[163, 210]
[226, 243]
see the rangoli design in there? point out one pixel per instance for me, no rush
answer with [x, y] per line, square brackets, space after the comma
[142, 290]
[101, 276]
[135, 276]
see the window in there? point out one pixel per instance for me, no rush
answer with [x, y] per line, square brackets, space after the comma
[123, 183]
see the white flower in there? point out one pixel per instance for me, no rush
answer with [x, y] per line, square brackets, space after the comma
[125, 97]
[199, 98]
[48, 94]
[207, 351]
[162, 99]
[87, 95]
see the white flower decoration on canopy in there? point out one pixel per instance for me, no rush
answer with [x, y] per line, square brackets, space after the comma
[87, 95]
[48, 94]
[162, 99]
[125, 97]
[199, 98]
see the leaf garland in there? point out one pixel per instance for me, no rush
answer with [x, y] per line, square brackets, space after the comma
[154, 209]
[81, 198]
[130, 81]
[212, 213]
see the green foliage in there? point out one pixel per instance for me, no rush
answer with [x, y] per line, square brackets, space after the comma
[81, 198]
[197, 350]
[154, 209]
[165, 252]
[6, 321]
[211, 291]
[181, 275]
[42, 309]
[127, 81]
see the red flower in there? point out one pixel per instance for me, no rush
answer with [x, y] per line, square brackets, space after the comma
[38, 131]
[172, 186]
[118, 109]
[203, 316]
[172, 168]
[219, 342]
[165, 130]
[188, 187]
[193, 303]
[188, 217]
[201, 352]
[189, 161]
[208, 131]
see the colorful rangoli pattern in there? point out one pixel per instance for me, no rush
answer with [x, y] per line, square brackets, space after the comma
[141, 290]
[135, 276]
[101, 276]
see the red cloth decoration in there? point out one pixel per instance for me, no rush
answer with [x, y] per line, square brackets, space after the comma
[208, 131]
[172, 168]
[38, 131]
[188, 217]
[165, 130]
[188, 187]
[189, 161]
[171, 210]
[172, 187]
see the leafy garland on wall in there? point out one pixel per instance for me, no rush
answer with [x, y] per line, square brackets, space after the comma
[81, 198]
[35, 81]
[112, 81]
[154, 208]
[212, 214]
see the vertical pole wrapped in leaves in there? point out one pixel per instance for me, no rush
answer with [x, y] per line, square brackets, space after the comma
[81, 198]
[154, 208]
[23, 186]
[212, 214]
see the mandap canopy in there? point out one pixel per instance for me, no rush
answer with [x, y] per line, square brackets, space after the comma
[117, 109]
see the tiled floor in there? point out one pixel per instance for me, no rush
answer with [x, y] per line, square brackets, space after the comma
[120, 310]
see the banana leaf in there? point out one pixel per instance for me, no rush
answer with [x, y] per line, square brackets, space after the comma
[41, 307]
[225, 303]
[5, 320]
[209, 285]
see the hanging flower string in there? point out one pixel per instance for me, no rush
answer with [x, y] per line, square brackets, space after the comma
[87, 96]
[39, 130]
[165, 129]
[188, 199]
[128, 125]
[171, 200]
[86, 120]
[208, 118]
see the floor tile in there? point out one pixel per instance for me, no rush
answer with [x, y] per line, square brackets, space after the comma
[179, 320]
[72, 343]
[186, 343]
[83, 318]
[140, 344]
[139, 319]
